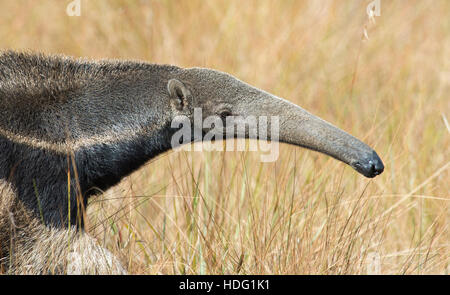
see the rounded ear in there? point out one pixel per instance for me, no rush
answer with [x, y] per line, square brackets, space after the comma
[179, 94]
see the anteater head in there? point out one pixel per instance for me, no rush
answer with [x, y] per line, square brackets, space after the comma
[229, 99]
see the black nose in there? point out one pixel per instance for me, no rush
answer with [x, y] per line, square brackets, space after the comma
[371, 166]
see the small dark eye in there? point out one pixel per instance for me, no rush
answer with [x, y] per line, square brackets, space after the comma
[225, 114]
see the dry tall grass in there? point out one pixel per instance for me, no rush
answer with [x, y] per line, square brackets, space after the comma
[228, 213]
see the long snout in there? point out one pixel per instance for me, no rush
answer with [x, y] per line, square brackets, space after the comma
[304, 129]
[301, 128]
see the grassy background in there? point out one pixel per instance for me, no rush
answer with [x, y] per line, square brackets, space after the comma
[226, 212]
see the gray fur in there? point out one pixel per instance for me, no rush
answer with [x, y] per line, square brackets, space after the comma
[99, 121]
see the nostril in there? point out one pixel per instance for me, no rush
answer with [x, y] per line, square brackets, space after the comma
[370, 167]
[379, 166]
[376, 164]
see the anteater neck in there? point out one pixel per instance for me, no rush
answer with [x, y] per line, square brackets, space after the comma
[68, 126]
[55, 186]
